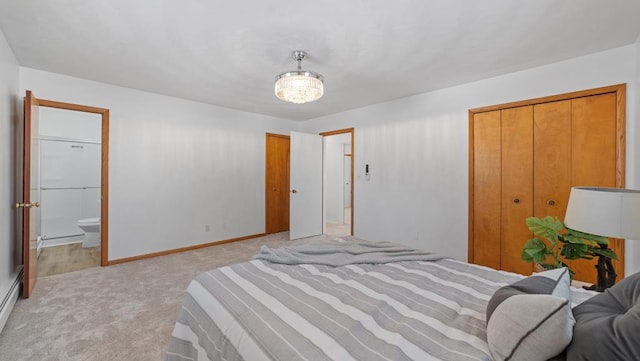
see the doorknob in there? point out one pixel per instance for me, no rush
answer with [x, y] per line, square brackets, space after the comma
[27, 205]
[294, 191]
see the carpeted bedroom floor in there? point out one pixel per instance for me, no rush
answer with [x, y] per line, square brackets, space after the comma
[121, 312]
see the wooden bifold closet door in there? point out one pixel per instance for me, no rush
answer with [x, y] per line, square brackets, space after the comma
[517, 184]
[524, 159]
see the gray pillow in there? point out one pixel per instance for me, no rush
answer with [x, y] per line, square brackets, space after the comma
[531, 319]
[608, 324]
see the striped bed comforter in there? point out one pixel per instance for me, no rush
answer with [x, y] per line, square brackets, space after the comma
[411, 310]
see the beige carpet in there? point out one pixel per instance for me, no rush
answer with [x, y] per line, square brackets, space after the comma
[122, 312]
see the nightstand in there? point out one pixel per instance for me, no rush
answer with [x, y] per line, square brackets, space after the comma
[580, 284]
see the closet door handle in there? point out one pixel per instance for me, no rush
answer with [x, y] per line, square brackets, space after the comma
[551, 202]
[516, 200]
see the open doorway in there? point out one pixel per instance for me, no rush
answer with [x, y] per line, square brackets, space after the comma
[32, 185]
[331, 183]
[72, 187]
[338, 182]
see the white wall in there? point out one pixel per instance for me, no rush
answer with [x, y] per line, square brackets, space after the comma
[333, 183]
[632, 247]
[10, 255]
[175, 166]
[417, 149]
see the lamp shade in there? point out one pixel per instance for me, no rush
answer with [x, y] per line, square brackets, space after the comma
[608, 212]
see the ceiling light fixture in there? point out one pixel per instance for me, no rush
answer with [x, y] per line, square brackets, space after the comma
[299, 86]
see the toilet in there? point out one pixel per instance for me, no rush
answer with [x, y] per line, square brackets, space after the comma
[91, 229]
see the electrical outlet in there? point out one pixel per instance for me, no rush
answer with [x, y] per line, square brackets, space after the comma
[207, 228]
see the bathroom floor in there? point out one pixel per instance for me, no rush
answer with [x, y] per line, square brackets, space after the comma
[67, 258]
[334, 229]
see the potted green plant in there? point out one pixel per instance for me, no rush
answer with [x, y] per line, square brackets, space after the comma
[554, 243]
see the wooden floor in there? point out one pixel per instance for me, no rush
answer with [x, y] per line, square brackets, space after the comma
[67, 258]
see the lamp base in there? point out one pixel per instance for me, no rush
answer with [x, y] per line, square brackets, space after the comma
[606, 273]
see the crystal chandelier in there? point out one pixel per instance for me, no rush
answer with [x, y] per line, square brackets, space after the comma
[299, 86]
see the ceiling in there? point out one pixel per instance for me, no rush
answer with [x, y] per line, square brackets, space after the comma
[228, 53]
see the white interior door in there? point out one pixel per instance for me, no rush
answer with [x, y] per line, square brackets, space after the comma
[305, 203]
[347, 181]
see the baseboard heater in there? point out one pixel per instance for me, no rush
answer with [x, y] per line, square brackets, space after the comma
[10, 299]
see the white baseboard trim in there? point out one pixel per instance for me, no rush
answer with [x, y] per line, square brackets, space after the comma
[9, 300]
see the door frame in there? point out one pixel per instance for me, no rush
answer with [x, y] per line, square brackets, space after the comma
[344, 131]
[104, 177]
[326, 134]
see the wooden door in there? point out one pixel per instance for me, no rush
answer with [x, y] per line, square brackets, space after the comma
[277, 183]
[517, 186]
[485, 207]
[552, 165]
[578, 140]
[593, 161]
[30, 199]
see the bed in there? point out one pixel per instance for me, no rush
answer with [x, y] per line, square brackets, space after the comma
[345, 300]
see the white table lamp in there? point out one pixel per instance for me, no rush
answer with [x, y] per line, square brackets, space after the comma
[608, 212]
